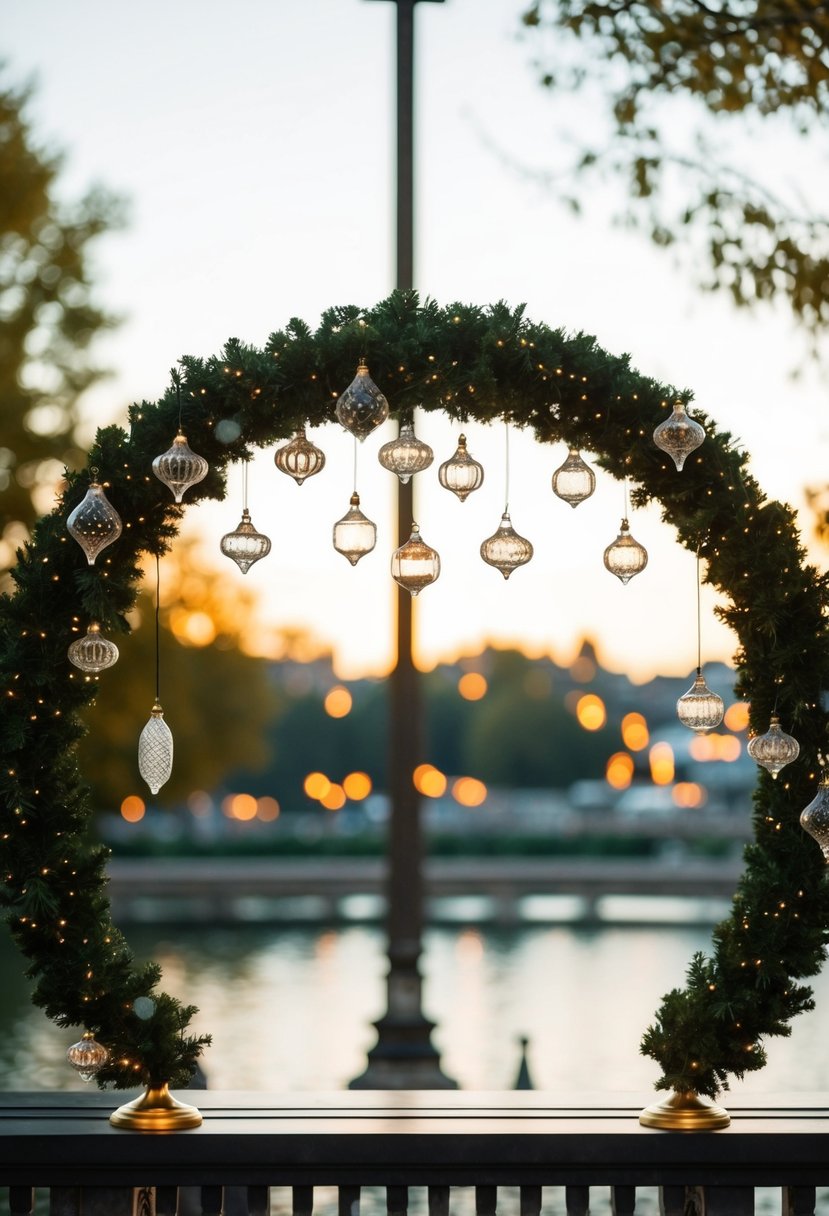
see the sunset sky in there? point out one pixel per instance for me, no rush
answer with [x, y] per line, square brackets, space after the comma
[254, 143]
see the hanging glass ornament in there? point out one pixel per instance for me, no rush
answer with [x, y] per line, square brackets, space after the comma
[815, 818]
[505, 549]
[300, 458]
[180, 467]
[625, 556]
[155, 750]
[461, 474]
[93, 652]
[406, 454]
[414, 565]
[679, 435]
[699, 708]
[87, 1056]
[354, 535]
[574, 480]
[362, 407]
[775, 749]
[94, 523]
[245, 546]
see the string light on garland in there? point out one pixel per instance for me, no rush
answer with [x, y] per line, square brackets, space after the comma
[180, 467]
[679, 435]
[300, 458]
[93, 652]
[155, 743]
[505, 549]
[362, 407]
[415, 565]
[245, 546]
[625, 557]
[405, 455]
[699, 708]
[815, 817]
[461, 474]
[354, 535]
[775, 749]
[574, 481]
[87, 1056]
[94, 523]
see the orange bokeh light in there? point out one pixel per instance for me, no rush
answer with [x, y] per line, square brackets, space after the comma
[715, 747]
[429, 781]
[619, 771]
[193, 628]
[338, 702]
[267, 809]
[635, 734]
[472, 686]
[688, 793]
[736, 716]
[357, 786]
[243, 807]
[334, 799]
[133, 808]
[591, 712]
[661, 758]
[316, 785]
[469, 791]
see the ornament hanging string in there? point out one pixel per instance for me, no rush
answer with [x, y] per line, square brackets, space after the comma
[506, 468]
[245, 486]
[355, 464]
[699, 619]
[625, 496]
[157, 628]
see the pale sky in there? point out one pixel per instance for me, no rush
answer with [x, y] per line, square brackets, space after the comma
[255, 144]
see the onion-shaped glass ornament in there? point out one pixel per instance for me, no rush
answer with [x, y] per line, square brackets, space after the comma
[180, 467]
[87, 1056]
[414, 565]
[574, 480]
[461, 474]
[245, 546]
[362, 407]
[775, 749]
[155, 750]
[625, 556]
[93, 652]
[815, 818]
[699, 708]
[300, 458]
[505, 549]
[94, 523]
[354, 535]
[406, 454]
[679, 435]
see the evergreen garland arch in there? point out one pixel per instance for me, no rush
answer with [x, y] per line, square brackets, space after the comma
[481, 363]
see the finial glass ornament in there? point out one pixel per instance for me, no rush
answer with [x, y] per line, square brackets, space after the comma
[815, 818]
[775, 749]
[180, 467]
[94, 523]
[93, 652]
[87, 1056]
[679, 435]
[574, 480]
[155, 750]
[415, 565]
[245, 546]
[405, 455]
[299, 458]
[461, 474]
[362, 407]
[625, 557]
[699, 708]
[354, 535]
[505, 549]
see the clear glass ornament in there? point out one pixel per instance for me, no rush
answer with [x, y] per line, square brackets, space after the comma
[679, 435]
[699, 708]
[815, 818]
[155, 750]
[625, 557]
[414, 565]
[574, 480]
[775, 749]
[87, 1056]
[362, 407]
[461, 474]
[93, 652]
[505, 549]
[245, 546]
[405, 455]
[300, 458]
[354, 535]
[180, 467]
[94, 523]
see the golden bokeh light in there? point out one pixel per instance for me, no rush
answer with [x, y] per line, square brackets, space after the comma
[267, 809]
[338, 702]
[591, 712]
[334, 799]
[472, 686]
[469, 791]
[736, 716]
[715, 747]
[243, 807]
[194, 628]
[689, 794]
[429, 781]
[199, 803]
[357, 786]
[635, 734]
[619, 771]
[133, 808]
[316, 785]
[661, 758]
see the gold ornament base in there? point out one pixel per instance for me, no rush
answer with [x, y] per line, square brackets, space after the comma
[156, 1111]
[685, 1112]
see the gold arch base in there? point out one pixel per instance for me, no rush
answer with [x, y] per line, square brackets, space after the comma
[156, 1111]
[685, 1112]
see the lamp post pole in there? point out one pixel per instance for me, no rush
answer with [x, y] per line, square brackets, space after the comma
[404, 1056]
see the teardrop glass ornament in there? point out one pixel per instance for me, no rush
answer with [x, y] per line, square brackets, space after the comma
[245, 546]
[93, 652]
[415, 565]
[362, 407]
[679, 435]
[87, 1056]
[625, 557]
[815, 818]
[574, 480]
[354, 535]
[461, 474]
[699, 708]
[405, 455]
[180, 467]
[94, 523]
[505, 549]
[775, 749]
[300, 458]
[155, 750]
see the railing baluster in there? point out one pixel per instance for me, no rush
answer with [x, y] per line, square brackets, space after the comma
[259, 1200]
[727, 1201]
[799, 1201]
[623, 1200]
[22, 1200]
[166, 1201]
[105, 1200]
[530, 1200]
[349, 1201]
[672, 1201]
[302, 1200]
[438, 1201]
[486, 1200]
[212, 1200]
[397, 1200]
[577, 1200]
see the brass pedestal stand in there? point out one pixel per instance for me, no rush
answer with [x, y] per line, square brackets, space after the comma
[685, 1112]
[156, 1111]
